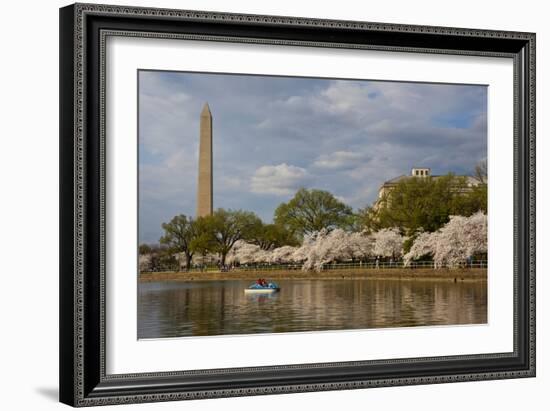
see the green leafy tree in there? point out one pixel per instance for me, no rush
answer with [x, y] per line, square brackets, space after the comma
[480, 172]
[161, 258]
[419, 203]
[476, 199]
[366, 220]
[472, 201]
[178, 235]
[270, 236]
[226, 227]
[312, 210]
[425, 204]
[145, 249]
[204, 240]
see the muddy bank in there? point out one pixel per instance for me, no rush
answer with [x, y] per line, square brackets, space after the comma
[459, 274]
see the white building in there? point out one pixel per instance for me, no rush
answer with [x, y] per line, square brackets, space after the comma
[419, 172]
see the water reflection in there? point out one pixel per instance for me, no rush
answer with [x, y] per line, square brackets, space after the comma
[177, 309]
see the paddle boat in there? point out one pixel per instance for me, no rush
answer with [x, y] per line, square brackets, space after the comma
[262, 287]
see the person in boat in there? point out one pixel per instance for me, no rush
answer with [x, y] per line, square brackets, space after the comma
[261, 282]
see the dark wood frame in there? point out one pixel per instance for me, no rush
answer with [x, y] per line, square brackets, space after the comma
[83, 29]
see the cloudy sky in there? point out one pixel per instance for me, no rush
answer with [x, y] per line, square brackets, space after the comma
[273, 135]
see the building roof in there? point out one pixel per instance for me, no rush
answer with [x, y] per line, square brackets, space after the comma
[396, 180]
[469, 179]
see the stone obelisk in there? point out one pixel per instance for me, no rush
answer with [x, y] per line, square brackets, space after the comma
[204, 188]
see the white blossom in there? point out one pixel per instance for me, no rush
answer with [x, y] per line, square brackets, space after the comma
[361, 246]
[388, 242]
[282, 255]
[144, 262]
[301, 253]
[246, 253]
[424, 244]
[460, 239]
[336, 245]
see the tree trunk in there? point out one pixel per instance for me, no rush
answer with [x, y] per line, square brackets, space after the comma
[188, 258]
[222, 259]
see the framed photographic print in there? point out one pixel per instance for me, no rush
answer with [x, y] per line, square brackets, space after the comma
[262, 204]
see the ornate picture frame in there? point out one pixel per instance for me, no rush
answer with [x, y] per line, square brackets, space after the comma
[84, 30]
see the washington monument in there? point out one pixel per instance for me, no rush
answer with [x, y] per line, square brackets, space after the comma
[204, 187]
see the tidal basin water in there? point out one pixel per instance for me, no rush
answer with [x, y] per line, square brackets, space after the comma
[199, 308]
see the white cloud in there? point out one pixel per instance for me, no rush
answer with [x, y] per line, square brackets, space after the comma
[340, 160]
[282, 179]
[170, 179]
[361, 196]
[351, 136]
[344, 97]
[229, 183]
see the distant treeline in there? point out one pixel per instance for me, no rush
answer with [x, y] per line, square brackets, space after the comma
[413, 208]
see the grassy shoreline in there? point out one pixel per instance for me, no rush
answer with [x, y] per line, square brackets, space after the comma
[459, 274]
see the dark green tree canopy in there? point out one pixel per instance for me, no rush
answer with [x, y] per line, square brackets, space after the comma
[226, 227]
[270, 236]
[425, 204]
[145, 249]
[312, 210]
[413, 205]
[178, 235]
[204, 240]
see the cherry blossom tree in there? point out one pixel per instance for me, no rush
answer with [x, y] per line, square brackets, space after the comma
[301, 253]
[318, 254]
[423, 245]
[459, 239]
[361, 245]
[145, 262]
[247, 253]
[283, 255]
[337, 245]
[388, 242]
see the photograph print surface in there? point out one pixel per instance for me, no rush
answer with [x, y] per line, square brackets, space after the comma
[272, 204]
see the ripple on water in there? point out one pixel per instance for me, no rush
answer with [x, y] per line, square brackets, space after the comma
[179, 309]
